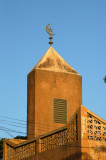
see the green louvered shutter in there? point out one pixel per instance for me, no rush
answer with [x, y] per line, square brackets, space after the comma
[60, 111]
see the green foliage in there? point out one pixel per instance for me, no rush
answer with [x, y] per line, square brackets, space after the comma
[1, 148]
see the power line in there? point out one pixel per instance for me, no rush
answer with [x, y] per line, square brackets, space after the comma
[25, 122]
[9, 134]
[10, 130]
[13, 118]
[32, 123]
[69, 144]
[12, 124]
[23, 127]
[47, 126]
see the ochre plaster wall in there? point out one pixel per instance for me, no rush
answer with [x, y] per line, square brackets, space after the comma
[43, 87]
[31, 104]
[95, 149]
[73, 148]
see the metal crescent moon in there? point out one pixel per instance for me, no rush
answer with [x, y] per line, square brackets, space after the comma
[48, 30]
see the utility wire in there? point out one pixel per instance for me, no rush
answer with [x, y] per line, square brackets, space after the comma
[12, 124]
[44, 129]
[31, 123]
[24, 122]
[6, 129]
[10, 130]
[9, 134]
[13, 118]
[25, 127]
[32, 130]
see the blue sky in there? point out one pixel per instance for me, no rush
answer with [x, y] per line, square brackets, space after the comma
[80, 28]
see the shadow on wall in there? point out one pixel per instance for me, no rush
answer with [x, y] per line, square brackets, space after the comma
[79, 156]
[100, 149]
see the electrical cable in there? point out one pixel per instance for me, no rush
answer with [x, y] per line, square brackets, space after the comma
[10, 130]
[24, 124]
[9, 134]
[31, 123]
[13, 118]
[12, 124]
[24, 121]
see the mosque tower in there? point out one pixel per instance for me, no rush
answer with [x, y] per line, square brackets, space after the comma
[59, 127]
[54, 94]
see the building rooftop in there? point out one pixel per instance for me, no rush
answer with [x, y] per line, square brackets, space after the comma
[52, 61]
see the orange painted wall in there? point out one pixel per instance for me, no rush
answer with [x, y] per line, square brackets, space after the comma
[31, 104]
[94, 148]
[43, 87]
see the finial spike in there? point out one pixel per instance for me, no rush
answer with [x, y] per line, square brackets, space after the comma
[51, 34]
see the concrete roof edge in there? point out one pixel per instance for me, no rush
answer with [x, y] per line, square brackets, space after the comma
[54, 131]
[19, 144]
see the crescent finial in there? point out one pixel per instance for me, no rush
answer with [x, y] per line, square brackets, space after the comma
[49, 30]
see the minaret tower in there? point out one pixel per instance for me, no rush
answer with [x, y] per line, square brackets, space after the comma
[54, 93]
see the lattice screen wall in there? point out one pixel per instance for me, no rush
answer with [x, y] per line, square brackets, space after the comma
[65, 136]
[96, 128]
[24, 151]
[53, 140]
[72, 130]
[62, 137]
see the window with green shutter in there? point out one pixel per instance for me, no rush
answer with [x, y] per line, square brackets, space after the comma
[60, 111]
